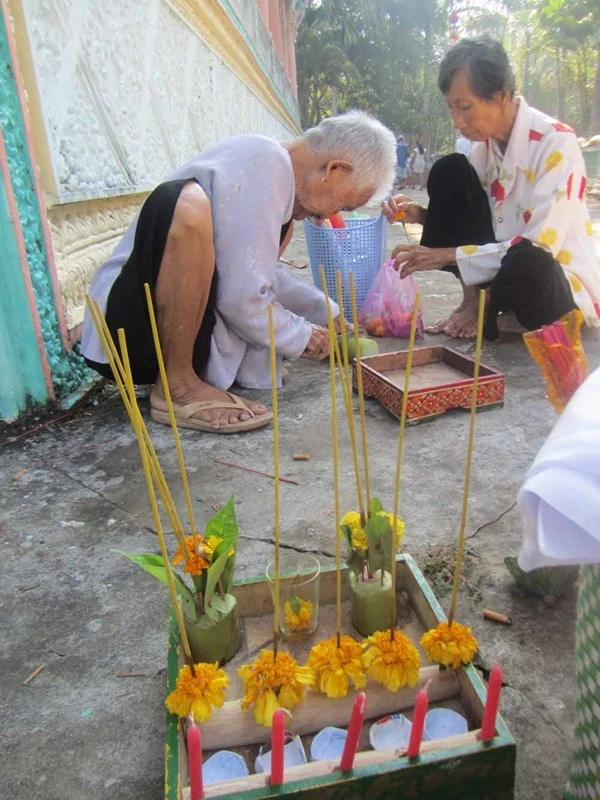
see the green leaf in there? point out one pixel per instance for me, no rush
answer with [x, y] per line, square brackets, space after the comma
[218, 607]
[155, 565]
[224, 525]
[355, 562]
[347, 531]
[380, 539]
[375, 506]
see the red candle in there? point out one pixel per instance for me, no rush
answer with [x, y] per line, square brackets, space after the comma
[277, 745]
[488, 723]
[356, 721]
[194, 748]
[418, 723]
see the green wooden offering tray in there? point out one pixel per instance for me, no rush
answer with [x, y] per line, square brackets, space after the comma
[458, 767]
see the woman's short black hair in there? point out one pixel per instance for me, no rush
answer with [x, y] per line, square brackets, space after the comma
[486, 64]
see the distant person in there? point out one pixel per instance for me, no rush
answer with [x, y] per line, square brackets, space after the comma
[207, 242]
[401, 161]
[417, 165]
[515, 219]
[463, 145]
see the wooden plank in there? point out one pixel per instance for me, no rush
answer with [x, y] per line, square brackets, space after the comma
[232, 727]
[315, 769]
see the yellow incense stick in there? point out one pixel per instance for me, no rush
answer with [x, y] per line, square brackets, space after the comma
[137, 422]
[347, 395]
[460, 544]
[361, 394]
[173, 421]
[118, 371]
[343, 332]
[400, 453]
[277, 531]
[336, 476]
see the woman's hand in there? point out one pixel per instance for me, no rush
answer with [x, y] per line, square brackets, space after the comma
[409, 258]
[414, 213]
[318, 344]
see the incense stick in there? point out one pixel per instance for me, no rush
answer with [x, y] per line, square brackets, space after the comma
[336, 477]
[172, 420]
[400, 453]
[277, 531]
[118, 371]
[361, 394]
[347, 395]
[136, 422]
[465, 501]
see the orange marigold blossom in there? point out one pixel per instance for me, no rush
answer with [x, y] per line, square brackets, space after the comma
[270, 683]
[335, 667]
[392, 662]
[198, 693]
[450, 645]
[198, 561]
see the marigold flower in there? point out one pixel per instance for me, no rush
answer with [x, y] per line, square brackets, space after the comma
[197, 693]
[200, 560]
[297, 614]
[270, 683]
[399, 525]
[358, 536]
[451, 645]
[392, 662]
[335, 667]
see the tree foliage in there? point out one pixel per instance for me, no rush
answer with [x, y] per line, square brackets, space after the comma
[383, 56]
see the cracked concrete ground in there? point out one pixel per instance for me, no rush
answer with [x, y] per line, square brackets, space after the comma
[74, 495]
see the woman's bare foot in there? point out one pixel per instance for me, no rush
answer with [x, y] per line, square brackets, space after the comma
[462, 322]
[194, 391]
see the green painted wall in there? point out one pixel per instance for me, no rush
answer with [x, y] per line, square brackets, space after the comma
[69, 372]
[20, 368]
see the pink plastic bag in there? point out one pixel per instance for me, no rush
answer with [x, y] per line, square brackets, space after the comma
[387, 308]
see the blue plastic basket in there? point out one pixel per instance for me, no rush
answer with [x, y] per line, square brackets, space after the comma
[359, 248]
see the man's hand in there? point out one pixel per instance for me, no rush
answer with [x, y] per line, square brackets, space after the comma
[318, 344]
[409, 258]
[414, 213]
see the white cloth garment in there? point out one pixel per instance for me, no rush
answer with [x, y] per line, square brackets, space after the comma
[464, 146]
[250, 183]
[560, 498]
[536, 190]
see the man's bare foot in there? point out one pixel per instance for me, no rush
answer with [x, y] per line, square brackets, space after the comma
[198, 391]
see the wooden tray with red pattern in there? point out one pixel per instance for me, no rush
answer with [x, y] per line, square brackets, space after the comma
[441, 379]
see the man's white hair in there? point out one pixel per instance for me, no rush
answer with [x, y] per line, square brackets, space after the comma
[363, 141]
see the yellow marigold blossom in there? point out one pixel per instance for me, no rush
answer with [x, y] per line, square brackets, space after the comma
[529, 175]
[469, 249]
[548, 237]
[564, 257]
[451, 645]
[197, 694]
[270, 683]
[358, 537]
[589, 228]
[392, 662]
[553, 160]
[196, 563]
[298, 614]
[335, 667]
[576, 284]
[399, 525]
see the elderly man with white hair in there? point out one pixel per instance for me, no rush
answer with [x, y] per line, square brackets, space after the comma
[208, 241]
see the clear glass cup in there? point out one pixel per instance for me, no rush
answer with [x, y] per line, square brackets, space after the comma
[299, 576]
